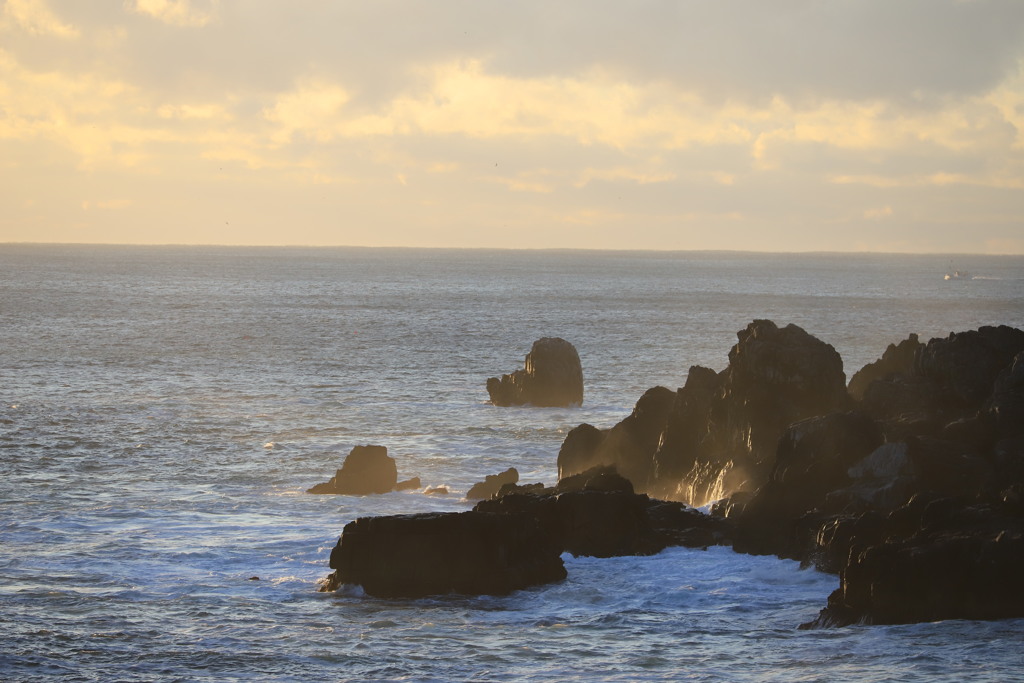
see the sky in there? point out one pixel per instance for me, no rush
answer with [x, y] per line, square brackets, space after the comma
[757, 125]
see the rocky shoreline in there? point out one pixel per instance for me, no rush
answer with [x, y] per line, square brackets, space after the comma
[908, 483]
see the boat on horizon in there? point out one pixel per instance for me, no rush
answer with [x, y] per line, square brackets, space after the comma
[954, 274]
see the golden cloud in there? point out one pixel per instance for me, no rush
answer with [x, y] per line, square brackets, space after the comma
[36, 18]
[176, 12]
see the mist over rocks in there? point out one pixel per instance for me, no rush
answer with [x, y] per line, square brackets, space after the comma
[552, 377]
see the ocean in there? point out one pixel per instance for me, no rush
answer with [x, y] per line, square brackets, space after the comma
[164, 409]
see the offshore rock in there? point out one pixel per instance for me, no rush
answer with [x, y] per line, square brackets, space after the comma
[474, 553]
[492, 483]
[366, 470]
[552, 377]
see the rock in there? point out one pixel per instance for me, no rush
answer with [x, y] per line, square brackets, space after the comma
[536, 489]
[553, 376]
[408, 484]
[578, 452]
[474, 553]
[629, 446]
[492, 483]
[965, 377]
[1005, 407]
[596, 514]
[603, 478]
[686, 428]
[814, 458]
[718, 434]
[776, 376]
[440, 490]
[964, 563]
[964, 366]
[883, 481]
[897, 360]
[366, 470]
[837, 536]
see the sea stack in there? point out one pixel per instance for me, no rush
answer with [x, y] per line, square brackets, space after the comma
[553, 377]
[366, 470]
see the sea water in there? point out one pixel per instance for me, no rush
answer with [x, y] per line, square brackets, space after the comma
[164, 409]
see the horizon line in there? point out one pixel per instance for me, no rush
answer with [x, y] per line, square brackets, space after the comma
[648, 250]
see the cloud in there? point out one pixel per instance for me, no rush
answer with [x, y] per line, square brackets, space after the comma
[312, 109]
[176, 12]
[36, 18]
[638, 117]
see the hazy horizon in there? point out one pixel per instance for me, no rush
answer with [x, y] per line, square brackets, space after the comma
[789, 127]
[369, 247]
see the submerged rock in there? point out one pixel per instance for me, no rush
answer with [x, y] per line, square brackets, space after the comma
[366, 470]
[553, 376]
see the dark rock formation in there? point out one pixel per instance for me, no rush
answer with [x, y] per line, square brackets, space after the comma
[916, 502]
[579, 450]
[492, 483]
[960, 562]
[951, 380]
[596, 513]
[553, 376]
[898, 359]
[686, 429]
[1005, 408]
[909, 484]
[776, 376]
[814, 457]
[604, 478]
[629, 446]
[718, 433]
[515, 540]
[366, 470]
[475, 553]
